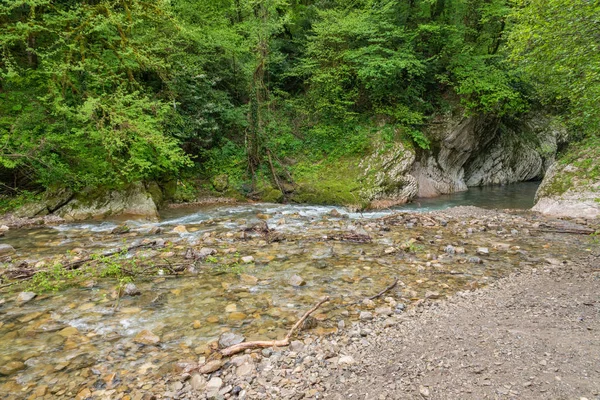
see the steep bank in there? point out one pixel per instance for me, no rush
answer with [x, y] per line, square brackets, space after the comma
[572, 186]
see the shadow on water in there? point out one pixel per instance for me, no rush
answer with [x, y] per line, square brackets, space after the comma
[515, 196]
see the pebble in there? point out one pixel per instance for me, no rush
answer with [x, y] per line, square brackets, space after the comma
[198, 382]
[214, 384]
[11, 367]
[180, 229]
[230, 339]
[346, 360]
[247, 259]
[146, 337]
[365, 316]
[6, 249]
[25, 297]
[483, 251]
[131, 290]
[296, 281]
[211, 366]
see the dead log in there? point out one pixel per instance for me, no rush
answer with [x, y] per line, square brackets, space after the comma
[238, 348]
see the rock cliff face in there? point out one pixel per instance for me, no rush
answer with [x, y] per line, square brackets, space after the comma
[386, 178]
[571, 187]
[484, 150]
[473, 151]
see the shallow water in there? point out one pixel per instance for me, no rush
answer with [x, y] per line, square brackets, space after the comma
[254, 299]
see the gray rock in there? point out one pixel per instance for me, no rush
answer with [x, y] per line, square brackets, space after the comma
[214, 384]
[133, 201]
[483, 251]
[6, 249]
[296, 281]
[365, 316]
[296, 346]
[244, 370]
[205, 252]
[247, 259]
[25, 297]
[228, 339]
[475, 260]
[131, 290]
[384, 311]
[346, 360]
[211, 366]
[198, 382]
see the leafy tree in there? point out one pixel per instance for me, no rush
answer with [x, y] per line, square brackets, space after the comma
[556, 43]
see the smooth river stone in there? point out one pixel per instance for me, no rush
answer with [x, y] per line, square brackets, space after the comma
[146, 337]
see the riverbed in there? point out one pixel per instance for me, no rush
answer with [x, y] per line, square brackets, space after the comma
[254, 282]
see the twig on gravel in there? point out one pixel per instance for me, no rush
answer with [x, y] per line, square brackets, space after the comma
[238, 348]
[384, 291]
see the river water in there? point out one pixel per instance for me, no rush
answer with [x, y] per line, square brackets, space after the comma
[84, 336]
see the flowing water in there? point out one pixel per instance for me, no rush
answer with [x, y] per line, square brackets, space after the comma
[84, 335]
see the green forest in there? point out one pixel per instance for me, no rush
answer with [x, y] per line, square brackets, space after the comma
[101, 93]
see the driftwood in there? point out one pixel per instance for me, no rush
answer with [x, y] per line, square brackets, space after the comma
[238, 348]
[384, 291]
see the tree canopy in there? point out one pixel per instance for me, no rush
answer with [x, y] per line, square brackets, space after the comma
[107, 92]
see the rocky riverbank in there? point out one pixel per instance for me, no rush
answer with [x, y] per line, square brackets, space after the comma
[534, 334]
[205, 281]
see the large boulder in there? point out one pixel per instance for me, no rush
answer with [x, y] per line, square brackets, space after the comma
[132, 201]
[571, 188]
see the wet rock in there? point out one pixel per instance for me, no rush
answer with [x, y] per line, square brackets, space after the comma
[196, 324]
[450, 249]
[146, 337]
[475, 260]
[206, 251]
[335, 213]
[68, 332]
[262, 216]
[131, 290]
[248, 279]
[296, 281]
[211, 366]
[155, 230]
[120, 230]
[229, 339]
[180, 229]
[11, 367]
[6, 249]
[25, 297]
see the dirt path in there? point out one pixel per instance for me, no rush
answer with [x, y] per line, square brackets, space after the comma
[529, 336]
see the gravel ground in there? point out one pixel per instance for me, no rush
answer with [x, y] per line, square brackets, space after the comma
[532, 335]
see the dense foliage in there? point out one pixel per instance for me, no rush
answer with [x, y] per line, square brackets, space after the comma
[106, 92]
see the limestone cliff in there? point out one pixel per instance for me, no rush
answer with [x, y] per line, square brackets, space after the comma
[571, 188]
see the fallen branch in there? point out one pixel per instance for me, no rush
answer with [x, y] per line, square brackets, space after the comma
[384, 291]
[238, 348]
